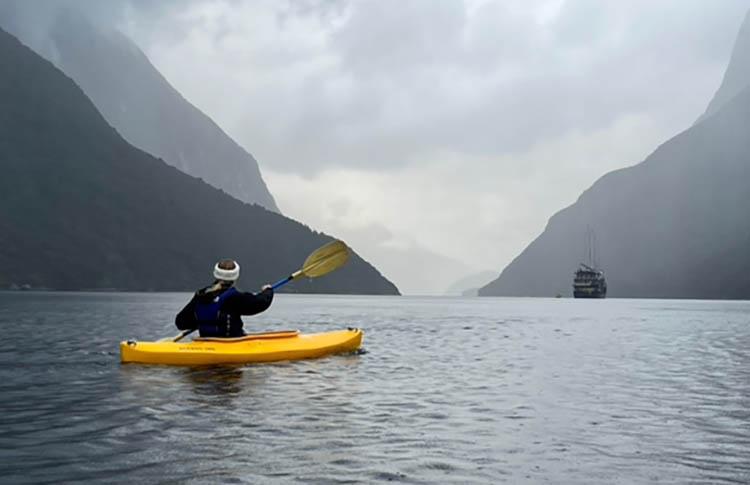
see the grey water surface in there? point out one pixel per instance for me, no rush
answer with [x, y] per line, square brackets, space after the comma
[448, 390]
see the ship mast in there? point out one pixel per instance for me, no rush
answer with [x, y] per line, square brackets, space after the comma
[591, 247]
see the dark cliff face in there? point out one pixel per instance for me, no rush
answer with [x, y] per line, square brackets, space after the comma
[82, 208]
[673, 226]
[145, 109]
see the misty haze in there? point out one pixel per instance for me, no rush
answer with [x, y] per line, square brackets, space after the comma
[454, 241]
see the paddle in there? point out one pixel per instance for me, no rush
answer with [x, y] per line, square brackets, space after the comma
[320, 262]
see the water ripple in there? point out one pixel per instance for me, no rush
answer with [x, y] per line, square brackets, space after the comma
[447, 391]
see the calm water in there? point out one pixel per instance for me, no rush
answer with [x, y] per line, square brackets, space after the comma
[448, 391]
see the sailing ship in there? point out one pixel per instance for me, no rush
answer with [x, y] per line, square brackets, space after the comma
[589, 281]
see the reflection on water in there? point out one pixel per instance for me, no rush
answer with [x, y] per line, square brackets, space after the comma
[216, 381]
[449, 390]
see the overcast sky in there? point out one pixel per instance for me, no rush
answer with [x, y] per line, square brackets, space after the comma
[437, 137]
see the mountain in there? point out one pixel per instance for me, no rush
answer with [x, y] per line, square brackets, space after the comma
[138, 101]
[469, 285]
[737, 75]
[82, 208]
[436, 270]
[674, 226]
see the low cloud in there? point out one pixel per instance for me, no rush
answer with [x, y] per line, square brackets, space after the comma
[479, 212]
[383, 84]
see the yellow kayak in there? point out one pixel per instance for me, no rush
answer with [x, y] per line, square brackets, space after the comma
[259, 347]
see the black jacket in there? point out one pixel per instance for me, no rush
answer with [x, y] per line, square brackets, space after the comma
[230, 325]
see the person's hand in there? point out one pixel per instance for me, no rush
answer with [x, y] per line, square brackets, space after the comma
[266, 287]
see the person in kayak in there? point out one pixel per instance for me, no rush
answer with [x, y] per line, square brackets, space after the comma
[216, 310]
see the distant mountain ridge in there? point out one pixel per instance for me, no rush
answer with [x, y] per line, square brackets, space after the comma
[80, 208]
[674, 226]
[469, 285]
[145, 109]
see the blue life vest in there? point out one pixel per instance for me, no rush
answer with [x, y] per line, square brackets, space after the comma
[210, 312]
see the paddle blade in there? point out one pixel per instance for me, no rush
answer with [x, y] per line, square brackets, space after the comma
[326, 259]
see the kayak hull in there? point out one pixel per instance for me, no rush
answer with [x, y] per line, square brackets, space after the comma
[269, 347]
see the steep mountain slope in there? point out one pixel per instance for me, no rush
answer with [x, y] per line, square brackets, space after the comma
[141, 104]
[673, 226]
[82, 208]
[737, 75]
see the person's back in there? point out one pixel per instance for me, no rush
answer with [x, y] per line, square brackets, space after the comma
[216, 310]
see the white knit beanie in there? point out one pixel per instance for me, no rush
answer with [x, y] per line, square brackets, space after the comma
[227, 274]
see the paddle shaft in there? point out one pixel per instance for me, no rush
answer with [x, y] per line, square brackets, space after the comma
[286, 280]
[183, 334]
